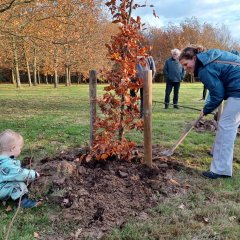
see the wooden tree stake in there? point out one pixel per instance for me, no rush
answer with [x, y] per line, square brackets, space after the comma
[147, 112]
[92, 95]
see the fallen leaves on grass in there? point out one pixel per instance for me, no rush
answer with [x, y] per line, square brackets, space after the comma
[181, 206]
[9, 209]
[232, 218]
[174, 182]
[36, 235]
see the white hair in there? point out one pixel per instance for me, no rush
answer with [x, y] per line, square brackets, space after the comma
[176, 51]
[8, 138]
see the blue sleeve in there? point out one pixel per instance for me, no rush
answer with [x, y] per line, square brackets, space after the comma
[17, 162]
[165, 68]
[11, 171]
[23, 174]
[210, 78]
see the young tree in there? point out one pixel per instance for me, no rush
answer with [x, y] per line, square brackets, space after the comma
[120, 111]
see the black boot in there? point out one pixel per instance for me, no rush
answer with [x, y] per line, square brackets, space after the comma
[166, 106]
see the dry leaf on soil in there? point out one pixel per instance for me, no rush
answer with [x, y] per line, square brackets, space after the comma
[9, 209]
[36, 235]
[174, 182]
[181, 206]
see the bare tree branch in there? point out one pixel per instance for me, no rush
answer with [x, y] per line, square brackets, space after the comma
[6, 6]
[130, 10]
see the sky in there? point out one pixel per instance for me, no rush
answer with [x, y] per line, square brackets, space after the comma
[215, 12]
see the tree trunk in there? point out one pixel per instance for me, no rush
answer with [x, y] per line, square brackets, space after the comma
[18, 82]
[121, 129]
[28, 68]
[38, 76]
[130, 10]
[35, 67]
[13, 77]
[69, 76]
[67, 66]
[55, 68]
[79, 78]
[28, 71]
[46, 79]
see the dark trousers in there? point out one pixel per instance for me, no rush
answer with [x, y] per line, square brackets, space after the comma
[133, 94]
[169, 86]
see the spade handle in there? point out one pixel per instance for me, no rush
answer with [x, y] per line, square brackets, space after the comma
[185, 133]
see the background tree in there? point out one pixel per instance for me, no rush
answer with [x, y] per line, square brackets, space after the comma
[73, 29]
[65, 38]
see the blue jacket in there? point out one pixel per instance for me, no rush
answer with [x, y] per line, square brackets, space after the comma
[234, 51]
[173, 70]
[12, 172]
[221, 79]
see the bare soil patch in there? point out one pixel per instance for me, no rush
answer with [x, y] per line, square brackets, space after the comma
[98, 196]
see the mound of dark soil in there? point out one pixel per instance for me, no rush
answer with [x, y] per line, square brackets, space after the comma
[206, 125]
[98, 196]
[209, 125]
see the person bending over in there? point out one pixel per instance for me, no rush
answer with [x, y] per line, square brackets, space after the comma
[219, 71]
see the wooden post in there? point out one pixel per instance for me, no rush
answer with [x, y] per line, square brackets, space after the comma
[147, 113]
[92, 95]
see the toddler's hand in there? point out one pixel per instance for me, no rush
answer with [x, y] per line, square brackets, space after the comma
[37, 175]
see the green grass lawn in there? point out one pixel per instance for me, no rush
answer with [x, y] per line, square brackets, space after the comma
[52, 120]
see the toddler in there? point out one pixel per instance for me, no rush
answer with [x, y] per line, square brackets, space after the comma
[14, 178]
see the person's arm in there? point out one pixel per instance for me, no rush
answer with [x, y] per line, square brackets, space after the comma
[165, 69]
[210, 79]
[13, 172]
[204, 93]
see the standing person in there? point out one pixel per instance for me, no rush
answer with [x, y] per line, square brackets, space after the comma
[148, 64]
[219, 71]
[174, 73]
[14, 178]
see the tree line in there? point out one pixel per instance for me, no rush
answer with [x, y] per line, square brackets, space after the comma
[52, 41]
